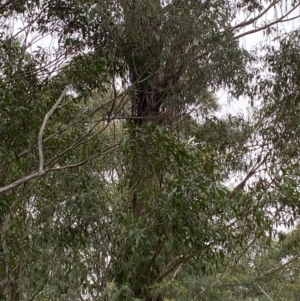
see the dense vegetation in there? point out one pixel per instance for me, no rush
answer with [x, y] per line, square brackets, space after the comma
[120, 176]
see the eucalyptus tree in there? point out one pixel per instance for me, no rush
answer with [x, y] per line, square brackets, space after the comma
[114, 163]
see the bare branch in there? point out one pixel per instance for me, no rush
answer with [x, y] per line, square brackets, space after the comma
[38, 173]
[266, 294]
[241, 185]
[245, 23]
[114, 147]
[280, 20]
[247, 248]
[77, 143]
[285, 265]
[21, 181]
[40, 138]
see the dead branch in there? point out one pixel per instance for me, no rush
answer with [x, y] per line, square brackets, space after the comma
[40, 138]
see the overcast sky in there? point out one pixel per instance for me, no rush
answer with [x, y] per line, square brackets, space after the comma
[249, 42]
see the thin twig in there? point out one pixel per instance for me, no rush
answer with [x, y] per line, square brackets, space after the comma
[73, 165]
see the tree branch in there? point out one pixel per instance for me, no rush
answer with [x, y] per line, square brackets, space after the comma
[265, 294]
[280, 20]
[41, 171]
[38, 173]
[41, 288]
[245, 23]
[40, 138]
[73, 165]
[285, 265]
[2, 6]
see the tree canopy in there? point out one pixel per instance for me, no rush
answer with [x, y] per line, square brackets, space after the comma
[121, 178]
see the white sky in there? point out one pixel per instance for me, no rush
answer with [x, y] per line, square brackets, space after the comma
[249, 42]
[233, 107]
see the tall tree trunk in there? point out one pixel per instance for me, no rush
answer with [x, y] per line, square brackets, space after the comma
[151, 77]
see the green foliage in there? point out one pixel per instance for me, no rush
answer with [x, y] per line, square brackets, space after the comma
[127, 186]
